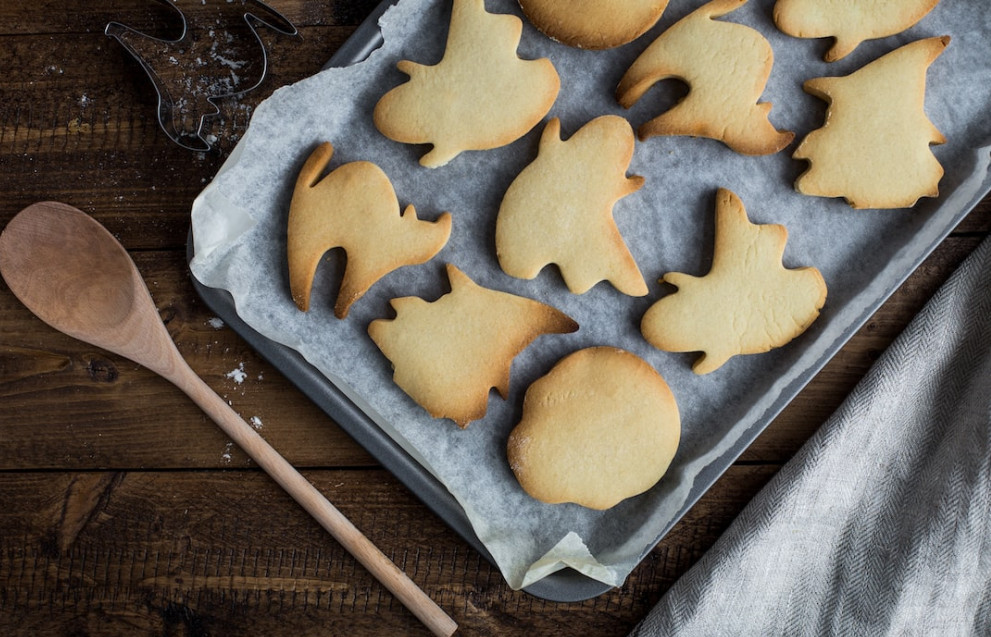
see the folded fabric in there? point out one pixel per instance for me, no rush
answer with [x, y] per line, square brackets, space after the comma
[881, 524]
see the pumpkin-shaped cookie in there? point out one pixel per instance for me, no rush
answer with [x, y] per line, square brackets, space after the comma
[600, 427]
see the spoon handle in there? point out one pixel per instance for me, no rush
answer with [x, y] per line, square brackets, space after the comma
[377, 563]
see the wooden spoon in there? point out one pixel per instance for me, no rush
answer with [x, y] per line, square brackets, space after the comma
[72, 273]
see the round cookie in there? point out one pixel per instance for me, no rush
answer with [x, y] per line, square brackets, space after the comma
[593, 24]
[600, 427]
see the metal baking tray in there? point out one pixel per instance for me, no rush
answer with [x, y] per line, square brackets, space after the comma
[565, 585]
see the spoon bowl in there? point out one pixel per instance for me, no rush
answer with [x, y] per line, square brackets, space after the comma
[68, 270]
[74, 275]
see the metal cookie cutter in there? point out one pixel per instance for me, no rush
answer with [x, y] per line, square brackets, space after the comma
[214, 58]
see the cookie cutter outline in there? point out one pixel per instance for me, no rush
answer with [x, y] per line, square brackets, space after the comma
[276, 21]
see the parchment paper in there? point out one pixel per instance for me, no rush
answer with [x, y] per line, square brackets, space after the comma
[239, 225]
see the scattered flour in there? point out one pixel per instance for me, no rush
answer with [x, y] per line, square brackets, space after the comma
[238, 374]
[256, 422]
[226, 456]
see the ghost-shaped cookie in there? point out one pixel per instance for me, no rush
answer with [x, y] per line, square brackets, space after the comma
[481, 95]
[748, 303]
[559, 209]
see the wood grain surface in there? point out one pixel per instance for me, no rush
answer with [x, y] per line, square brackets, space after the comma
[125, 511]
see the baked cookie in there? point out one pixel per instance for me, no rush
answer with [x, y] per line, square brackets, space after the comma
[593, 24]
[559, 209]
[355, 208]
[481, 95]
[450, 353]
[726, 67]
[748, 302]
[874, 148]
[600, 427]
[849, 22]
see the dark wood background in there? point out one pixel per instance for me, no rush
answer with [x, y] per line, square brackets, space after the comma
[124, 511]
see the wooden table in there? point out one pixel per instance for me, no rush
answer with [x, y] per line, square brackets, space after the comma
[124, 511]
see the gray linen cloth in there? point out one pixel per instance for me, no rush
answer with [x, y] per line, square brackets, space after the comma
[881, 524]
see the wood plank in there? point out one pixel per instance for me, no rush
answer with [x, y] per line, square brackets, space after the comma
[228, 553]
[155, 18]
[70, 406]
